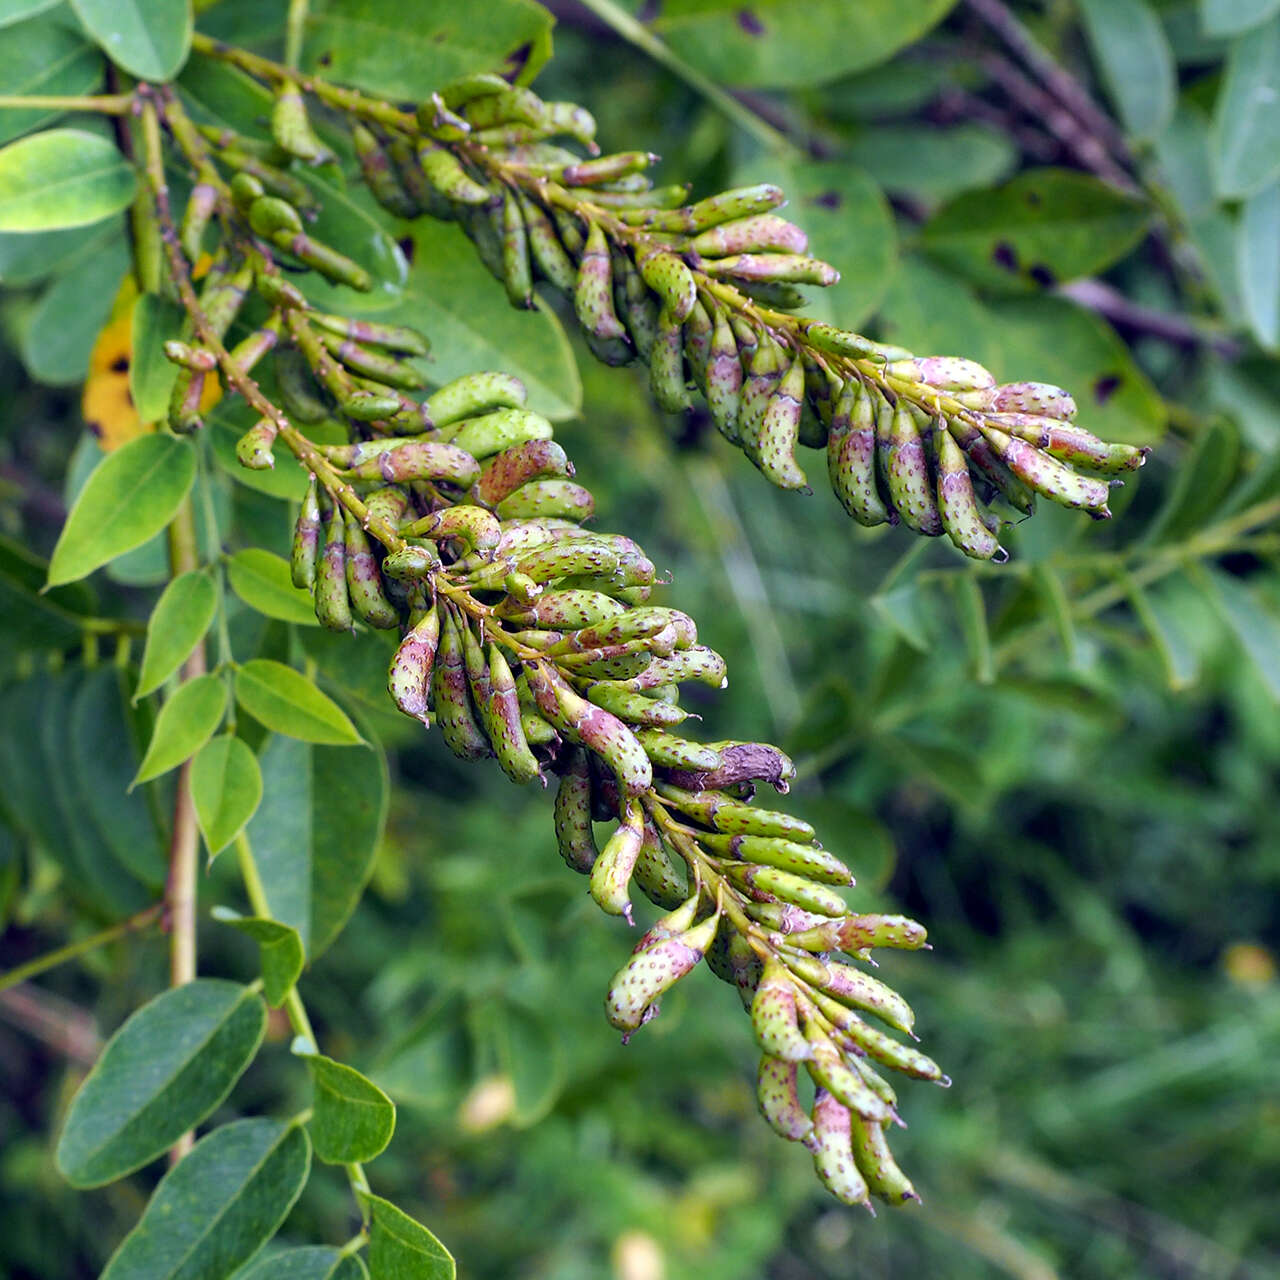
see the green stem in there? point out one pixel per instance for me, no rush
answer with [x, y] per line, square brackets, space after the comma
[295, 29]
[51, 959]
[639, 35]
[112, 104]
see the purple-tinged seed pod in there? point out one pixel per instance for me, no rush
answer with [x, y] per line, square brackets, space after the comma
[332, 601]
[611, 874]
[635, 988]
[1048, 476]
[409, 675]
[828, 1068]
[364, 583]
[833, 1151]
[306, 539]
[593, 292]
[762, 232]
[958, 504]
[773, 1016]
[1040, 398]
[907, 474]
[779, 1100]
[572, 813]
[853, 987]
[875, 1162]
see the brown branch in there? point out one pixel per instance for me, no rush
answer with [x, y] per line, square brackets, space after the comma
[1178, 329]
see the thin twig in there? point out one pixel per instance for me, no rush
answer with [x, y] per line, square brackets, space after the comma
[64, 1027]
[109, 104]
[1178, 329]
[51, 959]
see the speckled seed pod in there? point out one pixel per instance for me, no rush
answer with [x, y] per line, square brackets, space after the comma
[774, 451]
[477, 529]
[697, 663]
[409, 675]
[516, 466]
[545, 248]
[306, 539]
[768, 364]
[446, 174]
[907, 474]
[572, 813]
[666, 366]
[1069, 443]
[611, 874]
[984, 463]
[669, 278]
[786, 855]
[721, 813]
[828, 1068]
[773, 1016]
[1048, 476]
[958, 505]
[563, 610]
[633, 992]
[548, 499]
[853, 987]
[1034, 397]
[489, 433]
[332, 603]
[763, 232]
[947, 373]
[451, 697]
[776, 268]
[421, 460]
[860, 933]
[875, 1162]
[517, 271]
[364, 583]
[593, 292]
[473, 394]
[657, 874]
[779, 1099]
[724, 377]
[786, 886]
[851, 455]
[833, 1151]
[878, 1045]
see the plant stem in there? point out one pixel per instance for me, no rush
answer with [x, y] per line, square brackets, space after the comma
[639, 35]
[51, 959]
[110, 104]
[295, 29]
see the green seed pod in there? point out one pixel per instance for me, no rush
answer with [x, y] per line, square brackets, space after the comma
[947, 373]
[510, 105]
[851, 453]
[445, 173]
[878, 1045]
[184, 402]
[763, 232]
[516, 270]
[670, 751]
[774, 444]
[773, 294]
[669, 278]
[781, 268]
[907, 474]
[764, 373]
[877, 1083]
[544, 245]
[957, 503]
[782, 917]
[364, 583]
[593, 291]
[457, 93]
[666, 366]
[253, 449]
[634, 990]
[1070, 444]
[496, 430]
[698, 663]
[633, 625]
[269, 216]
[779, 1100]
[197, 359]
[474, 394]
[831, 1072]
[536, 730]
[379, 174]
[592, 727]
[245, 189]
[1048, 476]
[591, 173]
[572, 121]
[515, 466]
[549, 563]
[247, 352]
[395, 337]
[785, 886]
[502, 719]
[562, 499]
[636, 306]
[635, 708]
[875, 1162]
[475, 527]
[298, 391]
[333, 605]
[334, 266]
[562, 610]
[388, 370]
[420, 460]
[656, 873]
[787, 855]
[724, 377]
[368, 406]
[409, 675]
[437, 121]
[854, 934]
[773, 1016]
[611, 873]
[983, 458]
[833, 1151]
[412, 563]
[574, 835]
[698, 333]
[1039, 398]
[291, 128]
[450, 694]
[853, 987]
[306, 539]
[614, 352]
[741, 202]
[715, 810]
[196, 217]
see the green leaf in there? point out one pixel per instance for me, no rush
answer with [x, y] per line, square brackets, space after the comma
[1183, 152]
[162, 1072]
[530, 1054]
[177, 624]
[849, 226]
[1246, 124]
[1258, 263]
[1231, 17]
[402, 1249]
[1254, 625]
[131, 495]
[226, 786]
[280, 952]
[148, 38]
[1159, 618]
[71, 313]
[311, 1262]
[933, 164]
[151, 375]
[285, 701]
[781, 44]
[971, 609]
[452, 297]
[12, 11]
[30, 619]
[1044, 227]
[103, 760]
[1133, 54]
[27, 259]
[316, 831]
[62, 178]
[351, 1118]
[218, 1206]
[43, 57]
[261, 579]
[368, 43]
[1201, 482]
[185, 723]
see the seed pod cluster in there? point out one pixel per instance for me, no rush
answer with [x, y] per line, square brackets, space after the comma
[701, 292]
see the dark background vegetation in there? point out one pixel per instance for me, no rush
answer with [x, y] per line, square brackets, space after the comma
[1086, 820]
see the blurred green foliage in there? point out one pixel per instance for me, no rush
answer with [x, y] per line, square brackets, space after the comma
[1066, 766]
